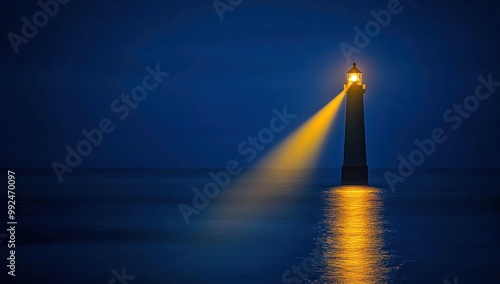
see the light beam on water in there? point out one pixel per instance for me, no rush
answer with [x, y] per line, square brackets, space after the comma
[353, 246]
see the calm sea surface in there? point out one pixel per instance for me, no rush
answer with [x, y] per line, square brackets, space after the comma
[126, 227]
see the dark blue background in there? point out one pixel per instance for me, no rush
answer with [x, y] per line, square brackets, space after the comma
[226, 77]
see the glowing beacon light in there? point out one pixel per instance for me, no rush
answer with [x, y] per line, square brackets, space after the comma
[354, 77]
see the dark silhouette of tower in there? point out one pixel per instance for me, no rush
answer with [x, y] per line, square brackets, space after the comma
[355, 170]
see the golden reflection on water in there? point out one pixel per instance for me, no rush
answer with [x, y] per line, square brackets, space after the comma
[353, 248]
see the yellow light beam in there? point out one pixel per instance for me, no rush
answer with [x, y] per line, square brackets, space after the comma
[301, 149]
[261, 190]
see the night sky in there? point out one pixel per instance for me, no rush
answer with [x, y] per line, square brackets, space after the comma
[225, 77]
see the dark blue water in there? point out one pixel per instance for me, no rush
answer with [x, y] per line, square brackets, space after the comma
[437, 225]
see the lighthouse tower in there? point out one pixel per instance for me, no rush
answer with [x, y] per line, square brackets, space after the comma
[354, 169]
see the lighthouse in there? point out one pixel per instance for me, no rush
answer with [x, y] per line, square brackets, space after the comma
[354, 169]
